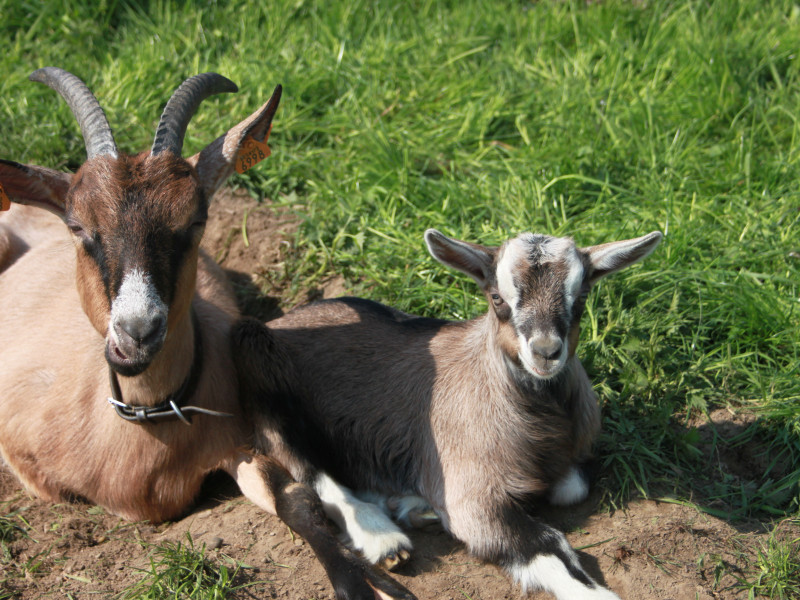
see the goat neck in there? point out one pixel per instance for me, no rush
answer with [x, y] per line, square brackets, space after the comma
[168, 372]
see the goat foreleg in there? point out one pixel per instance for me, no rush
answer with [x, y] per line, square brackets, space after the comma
[535, 554]
[268, 485]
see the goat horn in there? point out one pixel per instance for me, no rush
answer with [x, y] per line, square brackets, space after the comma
[95, 129]
[182, 105]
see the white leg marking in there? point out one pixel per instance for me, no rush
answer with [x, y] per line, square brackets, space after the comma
[547, 572]
[370, 530]
[410, 511]
[571, 489]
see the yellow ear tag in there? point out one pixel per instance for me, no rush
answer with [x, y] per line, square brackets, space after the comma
[252, 152]
[5, 203]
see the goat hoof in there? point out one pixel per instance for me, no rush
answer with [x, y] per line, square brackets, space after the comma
[425, 519]
[394, 560]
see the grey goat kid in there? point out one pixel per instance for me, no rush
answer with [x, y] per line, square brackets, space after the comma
[122, 303]
[470, 418]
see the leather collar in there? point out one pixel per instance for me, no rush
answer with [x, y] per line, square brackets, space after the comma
[171, 408]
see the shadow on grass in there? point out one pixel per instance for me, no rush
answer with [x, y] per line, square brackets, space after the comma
[728, 464]
[252, 302]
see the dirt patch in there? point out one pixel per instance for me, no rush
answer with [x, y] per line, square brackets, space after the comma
[650, 550]
[252, 241]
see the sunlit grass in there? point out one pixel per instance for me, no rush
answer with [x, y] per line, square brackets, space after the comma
[600, 120]
[776, 572]
[182, 570]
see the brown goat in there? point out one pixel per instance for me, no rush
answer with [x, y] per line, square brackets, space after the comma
[470, 418]
[120, 314]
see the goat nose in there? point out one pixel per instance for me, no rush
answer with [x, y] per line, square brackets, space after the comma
[142, 329]
[548, 348]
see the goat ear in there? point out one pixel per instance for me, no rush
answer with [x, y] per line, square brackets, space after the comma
[35, 186]
[216, 162]
[614, 256]
[472, 259]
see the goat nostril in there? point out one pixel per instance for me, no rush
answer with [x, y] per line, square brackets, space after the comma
[549, 350]
[142, 330]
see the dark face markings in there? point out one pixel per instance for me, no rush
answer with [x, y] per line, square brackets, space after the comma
[542, 301]
[150, 219]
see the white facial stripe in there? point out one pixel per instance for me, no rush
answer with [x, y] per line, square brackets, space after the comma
[554, 248]
[515, 255]
[572, 285]
[525, 354]
[513, 252]
[529, 362]
[137, 297]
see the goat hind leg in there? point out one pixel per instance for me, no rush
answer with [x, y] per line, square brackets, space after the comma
[268, 485]
[409, 510]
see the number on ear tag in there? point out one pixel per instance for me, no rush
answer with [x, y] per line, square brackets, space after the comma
[252, 152]
[5, 203]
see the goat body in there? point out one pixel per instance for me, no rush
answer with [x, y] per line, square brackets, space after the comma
[122, 301]
[475, 417]
[57, 431]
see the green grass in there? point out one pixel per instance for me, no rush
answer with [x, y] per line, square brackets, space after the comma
[776, 569]
[180, 570]
[601, 121]
[12, 526]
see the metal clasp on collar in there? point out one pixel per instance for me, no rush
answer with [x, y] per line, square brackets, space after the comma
[169, 409]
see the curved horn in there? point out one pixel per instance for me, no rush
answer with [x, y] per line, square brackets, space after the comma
[181, 107]
[94, 126]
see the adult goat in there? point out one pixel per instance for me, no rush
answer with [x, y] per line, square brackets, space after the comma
[470, 418]
[115, 332]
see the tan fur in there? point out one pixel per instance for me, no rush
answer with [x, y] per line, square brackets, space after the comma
[22, 227]
[129, 289]
[81, 447]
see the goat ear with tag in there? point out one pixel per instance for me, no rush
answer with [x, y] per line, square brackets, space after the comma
[252, 152]
[239, 148]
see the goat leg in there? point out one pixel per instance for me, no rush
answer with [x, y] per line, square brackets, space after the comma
[270, 486]
[535, 554]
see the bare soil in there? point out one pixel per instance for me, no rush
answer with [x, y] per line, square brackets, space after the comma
[648, 550]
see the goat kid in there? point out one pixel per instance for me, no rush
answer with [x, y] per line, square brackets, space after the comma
[471, 418]
[122, 302]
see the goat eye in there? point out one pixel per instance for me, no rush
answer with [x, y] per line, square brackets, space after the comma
[79, 232]
[497, 300]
